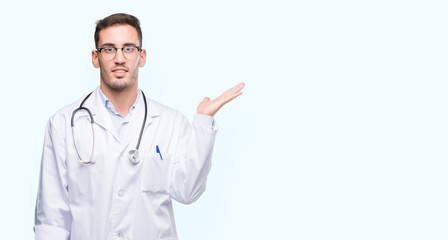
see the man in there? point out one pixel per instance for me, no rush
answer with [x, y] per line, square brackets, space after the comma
[113, 160]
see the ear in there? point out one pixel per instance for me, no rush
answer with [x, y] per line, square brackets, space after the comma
[142, 60]
[95, 60]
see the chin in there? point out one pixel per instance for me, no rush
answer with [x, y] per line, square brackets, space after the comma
[120, 84]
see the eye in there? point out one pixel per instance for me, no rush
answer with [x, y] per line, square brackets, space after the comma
[109, 49]
[129, 49]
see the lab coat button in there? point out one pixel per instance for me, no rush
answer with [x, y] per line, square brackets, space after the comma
[121, 194]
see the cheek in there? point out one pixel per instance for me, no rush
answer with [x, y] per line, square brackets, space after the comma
[103, 71]
[104, 67]
[135, 67]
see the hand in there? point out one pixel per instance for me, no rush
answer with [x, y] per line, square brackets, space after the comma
[210, 107]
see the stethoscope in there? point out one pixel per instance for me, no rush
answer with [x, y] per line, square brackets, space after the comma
[132, 154]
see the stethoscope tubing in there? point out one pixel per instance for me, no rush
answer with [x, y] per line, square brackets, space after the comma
[144, 122]
[132, 155]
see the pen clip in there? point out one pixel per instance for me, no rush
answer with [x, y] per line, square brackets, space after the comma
[158, 151]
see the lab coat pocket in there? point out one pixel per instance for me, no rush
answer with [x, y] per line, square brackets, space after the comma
[156, 174]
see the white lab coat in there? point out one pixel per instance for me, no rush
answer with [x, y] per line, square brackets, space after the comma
[115, 198]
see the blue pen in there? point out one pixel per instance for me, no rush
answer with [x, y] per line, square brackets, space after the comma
[158, 151]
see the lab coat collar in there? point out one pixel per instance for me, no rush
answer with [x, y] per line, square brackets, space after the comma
[102, 118]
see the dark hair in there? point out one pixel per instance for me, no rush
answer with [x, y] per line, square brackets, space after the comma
[118, 19]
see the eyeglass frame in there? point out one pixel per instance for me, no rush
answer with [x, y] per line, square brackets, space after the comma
[116, 50]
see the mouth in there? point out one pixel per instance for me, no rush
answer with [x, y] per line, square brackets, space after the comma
[119, 72]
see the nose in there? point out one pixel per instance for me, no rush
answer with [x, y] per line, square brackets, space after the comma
[119, 57]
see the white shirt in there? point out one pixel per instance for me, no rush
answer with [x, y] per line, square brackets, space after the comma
[115, 198]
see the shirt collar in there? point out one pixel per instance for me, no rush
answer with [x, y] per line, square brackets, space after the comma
[110, 107]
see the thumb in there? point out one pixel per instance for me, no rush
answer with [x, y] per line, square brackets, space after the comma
[206, 99]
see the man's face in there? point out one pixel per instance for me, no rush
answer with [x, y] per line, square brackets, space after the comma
[121, 71]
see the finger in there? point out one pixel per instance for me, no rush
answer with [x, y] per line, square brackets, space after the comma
[237, 88]
[231, 92]
[231, 97]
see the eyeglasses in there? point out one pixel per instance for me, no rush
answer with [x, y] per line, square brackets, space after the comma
[129, 52]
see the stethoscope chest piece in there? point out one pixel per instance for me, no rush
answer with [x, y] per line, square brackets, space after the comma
[133, 156]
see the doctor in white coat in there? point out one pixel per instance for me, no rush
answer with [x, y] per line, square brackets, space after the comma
[90, 189]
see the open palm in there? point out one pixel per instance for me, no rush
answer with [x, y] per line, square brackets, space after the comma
[210, 107]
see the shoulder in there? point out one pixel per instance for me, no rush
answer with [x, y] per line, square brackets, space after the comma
[159, 109]
[62, 117]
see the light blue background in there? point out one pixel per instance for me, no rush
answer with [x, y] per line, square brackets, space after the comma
[341, 132]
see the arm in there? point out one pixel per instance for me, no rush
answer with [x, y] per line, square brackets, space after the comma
[193, 159]
[195, 147]
[53, 217]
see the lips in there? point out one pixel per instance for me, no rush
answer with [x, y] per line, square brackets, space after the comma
[119, 72]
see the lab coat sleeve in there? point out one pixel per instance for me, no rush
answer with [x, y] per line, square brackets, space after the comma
[52, 217]
[193, 158]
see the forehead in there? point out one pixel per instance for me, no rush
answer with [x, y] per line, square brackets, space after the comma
[118, 35]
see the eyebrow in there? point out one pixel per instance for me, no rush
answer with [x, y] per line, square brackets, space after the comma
[113, 44]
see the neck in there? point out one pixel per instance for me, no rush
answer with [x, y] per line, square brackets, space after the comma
[122, 99]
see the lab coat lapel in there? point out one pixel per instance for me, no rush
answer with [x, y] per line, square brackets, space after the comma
[100, 114]
[135, 125]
